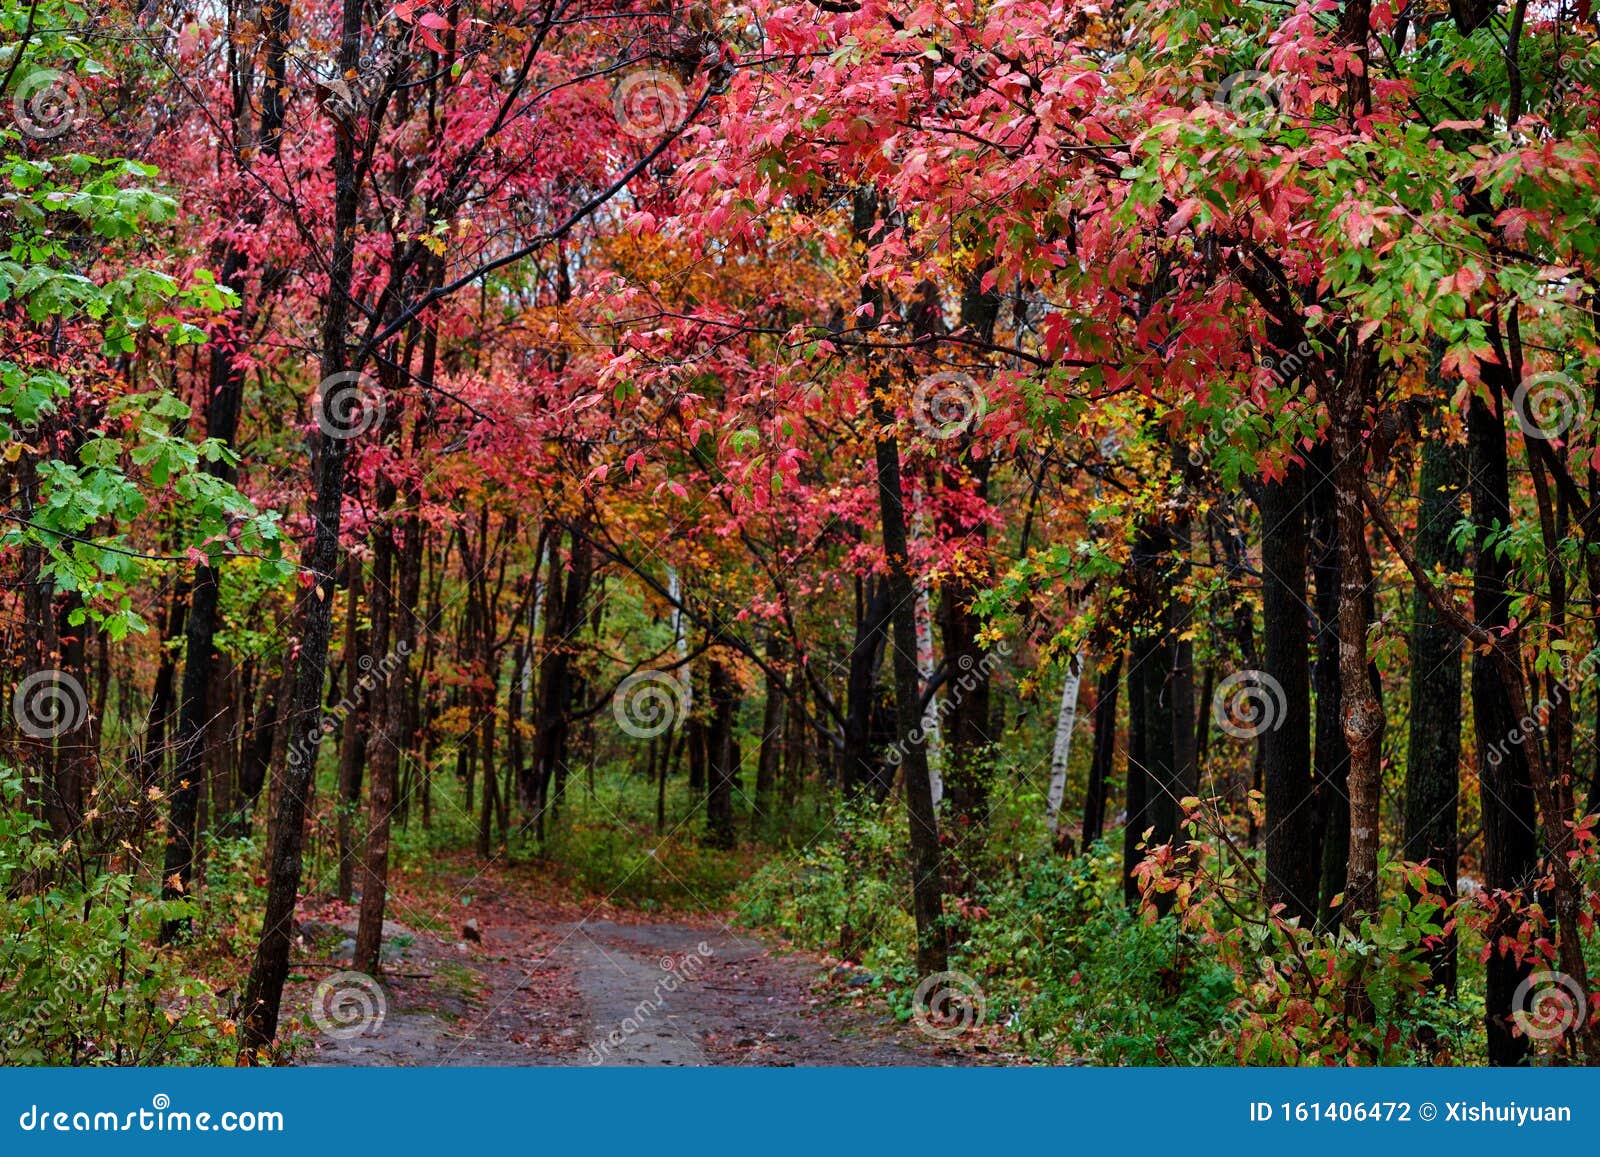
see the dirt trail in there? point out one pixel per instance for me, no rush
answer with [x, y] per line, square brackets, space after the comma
[550, 986]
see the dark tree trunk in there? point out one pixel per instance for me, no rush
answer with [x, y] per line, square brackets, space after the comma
[1433, 780]
[1137, 794]
[163, 699]
[772, 719]
[1510, 831]
[720, 751]
[1184, 781]
[224, 401]
[564, 618]
[968, 752]
[258, 1022]
[259, 746]
[353, 743]
[380, 801]
[177, 872]
[697, 756]
[1332, 755]
[927, 888]
[1293, 873]
[1167, 699]
[1361, 708]
[1105, 750]
[926, 884]
[863, 769]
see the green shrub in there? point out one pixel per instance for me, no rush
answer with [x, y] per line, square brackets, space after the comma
[80, 983]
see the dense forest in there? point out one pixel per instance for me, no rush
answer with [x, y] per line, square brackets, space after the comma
[1085, 518]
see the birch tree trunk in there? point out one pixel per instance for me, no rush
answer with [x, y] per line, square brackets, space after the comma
[1066, 720]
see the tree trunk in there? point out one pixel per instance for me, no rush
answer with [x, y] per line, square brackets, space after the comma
[722, 765]
[258, 1023]
[969, 741]
[863, 770]
[1332, 754]
[1293, 873]
[1510, 828]
[564, 618]
[1066, 719]
[1105, 750]
[772, 719]
[353, 743]
[1362, 711]
[1137, 795]
[1433, 762]
[223, 403]
[380, 800]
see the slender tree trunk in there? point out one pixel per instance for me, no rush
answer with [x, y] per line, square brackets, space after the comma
[1167, 699]
[1105, 750]
[1363, 718]
[353, 743]
[863, 770]
[968, 738]
[1185, 780]
[1142, 668]
[722, 765]
[930, 717]
[564, 618]
[772, 719]
[380, 800]
[1332, 754]
[163, 699]
[927, 888]
[1433, 781]
[224, 401]
[258, 1023]
[1066, 720]
[1292, 870]
[1510, 828]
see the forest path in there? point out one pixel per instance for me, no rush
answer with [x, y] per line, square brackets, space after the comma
[551, 985]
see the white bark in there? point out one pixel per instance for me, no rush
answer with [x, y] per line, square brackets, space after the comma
[1065, 722]
[1068, 716]
[681, 639]
[538, 617]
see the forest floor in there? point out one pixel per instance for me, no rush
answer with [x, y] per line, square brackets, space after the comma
[503, 977]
